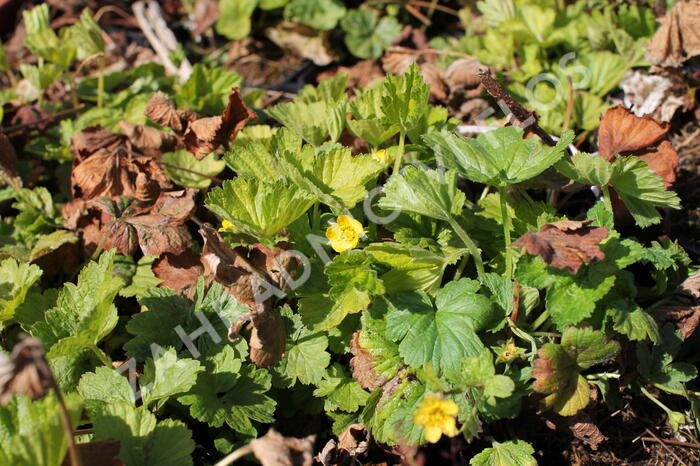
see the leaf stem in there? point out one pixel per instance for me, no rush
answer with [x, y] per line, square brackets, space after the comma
[101, 82]
[399, 156]
[540, 320]
[235, 456]
[101, 356]
[315, 217]
[506, 231]
[606, 198]
[473, 250]
[525, 336]
[460, 268]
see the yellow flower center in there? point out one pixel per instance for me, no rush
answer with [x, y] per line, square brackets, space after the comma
[437, 418]
[345, 233]
[383, 156]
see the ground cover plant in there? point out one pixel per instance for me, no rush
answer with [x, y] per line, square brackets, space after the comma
[318, 232]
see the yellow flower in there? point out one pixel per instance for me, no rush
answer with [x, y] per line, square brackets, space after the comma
[437, 417]
[227, 226]
[383, 156]
[345, 233]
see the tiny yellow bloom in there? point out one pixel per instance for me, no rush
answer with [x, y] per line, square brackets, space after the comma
[437, 417]
[383, 156]
[345, 233]
[227, 226]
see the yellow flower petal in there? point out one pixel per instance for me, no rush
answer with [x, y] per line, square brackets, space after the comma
[383, 156]
[227, 226]
[432, 434]
[449, 427]
[449, 407]
[345, 234]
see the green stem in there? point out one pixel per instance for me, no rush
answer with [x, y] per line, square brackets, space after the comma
[471, 246]
[506, 232]
[316, 218]
[399, 156]
[101, 356]
[461, 267]
[524, 336]
[603, 375]
[606, 198]
[655, 400]
[101, 82]
[40, 100]
[541, 319]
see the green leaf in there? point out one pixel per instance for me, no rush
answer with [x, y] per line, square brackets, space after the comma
[411, 267]
[368, 121]
[87, 36]
[388, 414]
[642, 190]
[511, 453]
[84, 314]
[16, 278]
[106, 385]
[443, 338]
[426, 192]
[496, 11]
[330, 90]
[633, 321]
[196, 173]
[318, 14]
[479, 372]
[166, 376]
[313, 121]
[405, 99]
[460, 297]
[340, 391]
[306, 357]
[498, 158]
[234, 20]
[365, 36]
[353, 281]
[373, 338]
[142, 280]
[31, 432]
[162, 309]
[144, 441]
[40, 78]
[256, 209]
[207, 89]
[587, 169]
[47, 244]
[657, 366]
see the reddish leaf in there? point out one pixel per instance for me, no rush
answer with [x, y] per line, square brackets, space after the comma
[179, 272]
[623, 132]
[565, 244]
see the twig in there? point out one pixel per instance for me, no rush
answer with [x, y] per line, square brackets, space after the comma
[235, 456]
[673, 442]
[526, 117]
[435, 6]
[20, 126]
[419, 16]
[569, 106]
[428, 51]
[661, 442]
[160, 38]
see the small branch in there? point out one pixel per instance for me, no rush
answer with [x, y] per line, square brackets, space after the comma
[526, 117]
[235, 456]
[400, 49]
[418, 15]
[435, 6]
[672, 442]
[21, 126]
[663, 444]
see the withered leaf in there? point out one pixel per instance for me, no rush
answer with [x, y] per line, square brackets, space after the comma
[179, 272]
[565, 244]
[684, 310]
[273, 449]
[25, 372]
[204, 135]
[463, 74]
[355, 440]
[267, 338]
[362, 365]
[147, 138]
[678, 37]
[621, 131]
[664, 161]
[162, 111]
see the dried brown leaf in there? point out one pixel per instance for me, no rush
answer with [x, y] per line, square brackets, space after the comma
[565, 244]
[179, 272]
[147, 138]
[678, 37]
[24, 372]
[362, 365]
[162, 111]
[273, 449]
[463, 74]
[267, 339]
[623, 132]
[664, 161]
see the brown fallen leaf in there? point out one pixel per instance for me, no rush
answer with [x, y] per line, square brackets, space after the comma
[106, 165]
[356, 446]
[267, 338]
[565, 244]
[362, 365]
[204, 135]
[462, 74]
[622, 132]
[179, 272]
[684, 309]
[146, 138]
[303, 41]
[24, 372]
[678, 37]
[162, 111]
[206, 12]
[273, 449]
